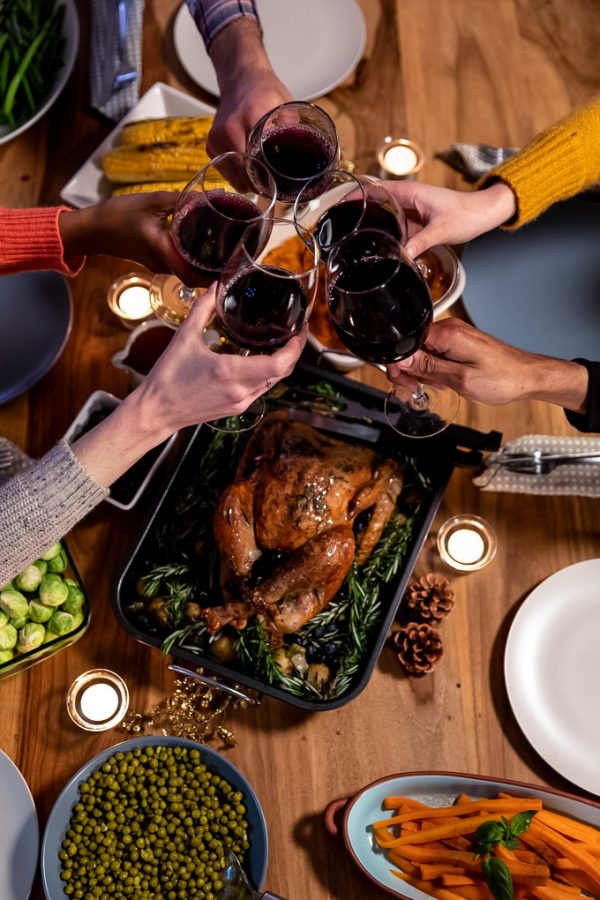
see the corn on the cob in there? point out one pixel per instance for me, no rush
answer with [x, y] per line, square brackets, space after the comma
[164, 161]
[149, 186]
[187, 129]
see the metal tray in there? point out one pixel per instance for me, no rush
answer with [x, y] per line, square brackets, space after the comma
[436, 458]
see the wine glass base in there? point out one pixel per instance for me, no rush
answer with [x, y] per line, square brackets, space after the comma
[244, 422]
[171, 300]
[410, 417]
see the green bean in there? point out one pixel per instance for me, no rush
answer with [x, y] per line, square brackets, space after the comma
[147, 839]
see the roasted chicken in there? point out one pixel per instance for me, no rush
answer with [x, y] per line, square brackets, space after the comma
[293, 504]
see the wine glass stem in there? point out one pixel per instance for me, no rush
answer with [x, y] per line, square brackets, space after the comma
[420, 398]
[186, 294]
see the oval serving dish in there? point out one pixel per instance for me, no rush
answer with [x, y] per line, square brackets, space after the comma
[434, 789]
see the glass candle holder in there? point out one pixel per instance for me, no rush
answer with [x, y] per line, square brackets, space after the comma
[129, 299]
[399, 158]
[466, 543]
[97, 700]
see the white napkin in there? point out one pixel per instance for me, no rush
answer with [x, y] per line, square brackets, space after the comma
[121, 101]
[578, 479]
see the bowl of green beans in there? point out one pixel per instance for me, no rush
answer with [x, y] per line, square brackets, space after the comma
[39, 40]
[152, 817]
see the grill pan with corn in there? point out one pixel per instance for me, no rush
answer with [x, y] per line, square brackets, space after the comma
[158, 154]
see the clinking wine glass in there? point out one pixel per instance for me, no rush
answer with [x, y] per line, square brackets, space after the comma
[350, 202]
[260, 306]
[381, 308]
[298, 141]
[212, 213]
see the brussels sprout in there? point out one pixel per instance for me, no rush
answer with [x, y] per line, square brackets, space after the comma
[74, 601]
[77, 620]
[9, 586]
[30, 637]
[18, 621]
[5, 655]
[61, 622]
[13, 603]
[38, 612]
[53, 551]
[3, 617]
[53, 590]
[29, 579]
[8, 637]
[42, 565]
[58, 563]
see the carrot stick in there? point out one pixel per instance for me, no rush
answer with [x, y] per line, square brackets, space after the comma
[474, 892]
[396, 802]
[440, 812]
[569, 827]
[449, 879]
[404, 863]
[589, 864]
[427, 887]
[429, 871]
[541, 848]
[526, 856]
[551, 893]
[468, 826]
[418, 854]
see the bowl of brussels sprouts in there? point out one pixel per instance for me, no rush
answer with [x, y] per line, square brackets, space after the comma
[42, 609]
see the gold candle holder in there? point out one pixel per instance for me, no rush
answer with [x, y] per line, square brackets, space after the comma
[466, 543]
[129, 299]
[97, 700]
[399, 158]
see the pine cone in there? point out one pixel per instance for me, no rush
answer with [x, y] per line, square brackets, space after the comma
[419, 646]
[430, 598]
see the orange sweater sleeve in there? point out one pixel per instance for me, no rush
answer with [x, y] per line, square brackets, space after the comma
[560, 162]
[30, 239]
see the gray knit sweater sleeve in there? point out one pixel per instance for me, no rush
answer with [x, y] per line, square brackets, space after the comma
[40, 505]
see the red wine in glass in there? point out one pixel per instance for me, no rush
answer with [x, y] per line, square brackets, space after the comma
[342, 219]
[258, 310]
[295, 154]
[207, 228]
[381, 308]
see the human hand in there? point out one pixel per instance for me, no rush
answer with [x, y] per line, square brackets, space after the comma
[437, 215]
[248, 85]
[132, 227]
[486, 370]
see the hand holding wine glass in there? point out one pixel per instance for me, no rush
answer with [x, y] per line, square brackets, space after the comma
[381, 308]
[209, 219]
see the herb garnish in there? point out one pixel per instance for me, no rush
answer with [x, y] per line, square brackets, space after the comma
[495, 871]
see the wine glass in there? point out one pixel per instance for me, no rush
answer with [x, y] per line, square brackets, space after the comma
[298, 142]
[261, 306]
[381, 308]
[350, 202]
[210, 217]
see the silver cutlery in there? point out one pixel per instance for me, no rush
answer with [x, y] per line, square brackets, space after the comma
[538, 463]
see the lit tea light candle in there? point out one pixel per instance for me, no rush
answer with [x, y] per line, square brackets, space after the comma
[466, 543]
[129, 299]
[399, 158]
[97, 700]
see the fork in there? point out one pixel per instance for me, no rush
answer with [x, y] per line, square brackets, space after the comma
[540, 464]
[125, 74]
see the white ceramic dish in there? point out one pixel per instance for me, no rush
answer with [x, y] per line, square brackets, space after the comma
[70, 32]
[88, 185]
[435, 789]
[313, 46]
[102, 400]
[552, 671]
[20, 834]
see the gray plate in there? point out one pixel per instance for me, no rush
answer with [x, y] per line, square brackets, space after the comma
[56, 827]
[36, 311]
[19, 830]
[539, 288]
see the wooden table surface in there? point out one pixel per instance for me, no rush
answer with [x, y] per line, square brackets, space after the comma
[438, 71]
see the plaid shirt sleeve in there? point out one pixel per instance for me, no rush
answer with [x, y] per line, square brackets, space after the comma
[212, 15]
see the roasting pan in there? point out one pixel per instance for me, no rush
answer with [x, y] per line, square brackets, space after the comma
[435, 458]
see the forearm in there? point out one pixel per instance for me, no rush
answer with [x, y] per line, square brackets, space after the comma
[39, 506]
[558, 381]
[560, 162]
[238, 51]
[113, 446]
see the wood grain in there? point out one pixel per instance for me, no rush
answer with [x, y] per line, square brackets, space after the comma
[438, 71]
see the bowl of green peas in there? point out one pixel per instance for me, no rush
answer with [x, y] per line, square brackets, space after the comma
[152, 817]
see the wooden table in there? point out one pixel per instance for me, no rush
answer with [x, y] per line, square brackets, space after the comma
[438, 71]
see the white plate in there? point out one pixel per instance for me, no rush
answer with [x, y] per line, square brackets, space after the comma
[435, 789]
[70, 33]
[88, 185]
[19, 830]
[313, 45]
[552, 671]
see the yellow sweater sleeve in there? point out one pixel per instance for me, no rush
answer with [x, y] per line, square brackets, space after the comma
[560, 162]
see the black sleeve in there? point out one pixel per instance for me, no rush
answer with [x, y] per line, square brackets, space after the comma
[590, 419]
